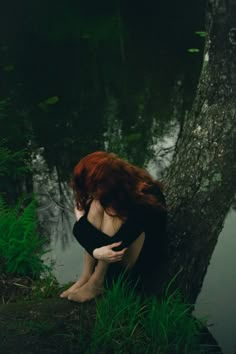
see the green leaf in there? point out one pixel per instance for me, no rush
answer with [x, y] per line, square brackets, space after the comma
[52, 100]
[193, 50]
[201, 33]
[44, 105]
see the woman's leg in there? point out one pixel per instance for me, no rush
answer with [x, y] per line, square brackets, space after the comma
[133, 252]
[89, 265]
[93, 287]
[126, 267]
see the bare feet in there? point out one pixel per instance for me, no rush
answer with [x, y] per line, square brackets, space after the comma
[74, 287]
[86, 293]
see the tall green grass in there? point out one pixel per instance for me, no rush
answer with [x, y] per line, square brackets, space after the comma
[21, 247]
[127, 323]
[118, 315]
[169, 325]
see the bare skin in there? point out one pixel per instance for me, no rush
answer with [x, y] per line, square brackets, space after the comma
[89, 266]
[93, 287]
[91, 283]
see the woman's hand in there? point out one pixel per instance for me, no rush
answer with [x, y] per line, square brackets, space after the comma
[106, 253]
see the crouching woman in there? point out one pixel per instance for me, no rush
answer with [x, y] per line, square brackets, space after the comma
[121, 224]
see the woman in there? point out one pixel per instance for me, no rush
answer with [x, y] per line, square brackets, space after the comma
[121, 223]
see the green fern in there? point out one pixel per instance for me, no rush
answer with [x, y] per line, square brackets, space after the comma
[21, 247]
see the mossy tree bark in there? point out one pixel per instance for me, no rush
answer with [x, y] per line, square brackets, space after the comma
[201, 178]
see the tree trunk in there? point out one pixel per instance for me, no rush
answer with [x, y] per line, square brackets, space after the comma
[200, 182]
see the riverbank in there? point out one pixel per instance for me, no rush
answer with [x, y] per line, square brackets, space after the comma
[33, 319]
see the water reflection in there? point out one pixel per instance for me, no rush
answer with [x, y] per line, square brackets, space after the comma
[217, 297]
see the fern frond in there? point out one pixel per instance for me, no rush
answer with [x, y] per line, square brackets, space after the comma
[21, 247]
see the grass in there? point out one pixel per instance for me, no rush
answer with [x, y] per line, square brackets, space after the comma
[118, 315]
[169, 325]
[44, 288]
[127, 323]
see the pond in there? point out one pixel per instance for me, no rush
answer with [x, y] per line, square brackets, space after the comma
[116, 79]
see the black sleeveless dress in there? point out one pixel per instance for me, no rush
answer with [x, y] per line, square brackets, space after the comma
[151, 221]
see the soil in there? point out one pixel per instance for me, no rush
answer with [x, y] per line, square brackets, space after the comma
[48, 326]
[12, 288]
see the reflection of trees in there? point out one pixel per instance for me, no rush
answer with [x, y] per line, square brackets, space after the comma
[55, 201]
[201, 178]
[85, 56]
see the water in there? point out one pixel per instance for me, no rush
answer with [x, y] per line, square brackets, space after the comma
[217, 297]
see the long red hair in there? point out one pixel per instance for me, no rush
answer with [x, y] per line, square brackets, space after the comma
[116, 183]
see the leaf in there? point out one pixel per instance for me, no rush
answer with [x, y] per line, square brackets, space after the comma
[48, 102]
[52, 100]
[201, 33]
[193, 50]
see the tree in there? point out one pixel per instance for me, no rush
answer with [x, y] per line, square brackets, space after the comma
[201, 178]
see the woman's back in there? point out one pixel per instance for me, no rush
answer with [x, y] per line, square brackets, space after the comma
[109, 224]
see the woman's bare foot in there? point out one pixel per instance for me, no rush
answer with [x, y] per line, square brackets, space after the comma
[75, 286]
[86, 292]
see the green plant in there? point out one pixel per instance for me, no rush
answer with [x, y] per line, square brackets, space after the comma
[126, 323]
[45, 287]
[118, 314]
[201, 33]
[21, 247]
[169, 325]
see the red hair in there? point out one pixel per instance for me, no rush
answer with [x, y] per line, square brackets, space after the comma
[116, 183]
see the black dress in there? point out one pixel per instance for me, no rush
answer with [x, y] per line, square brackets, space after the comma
[151, 221]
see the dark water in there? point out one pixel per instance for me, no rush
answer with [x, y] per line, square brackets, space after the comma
[217, 297]
[120, 77]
